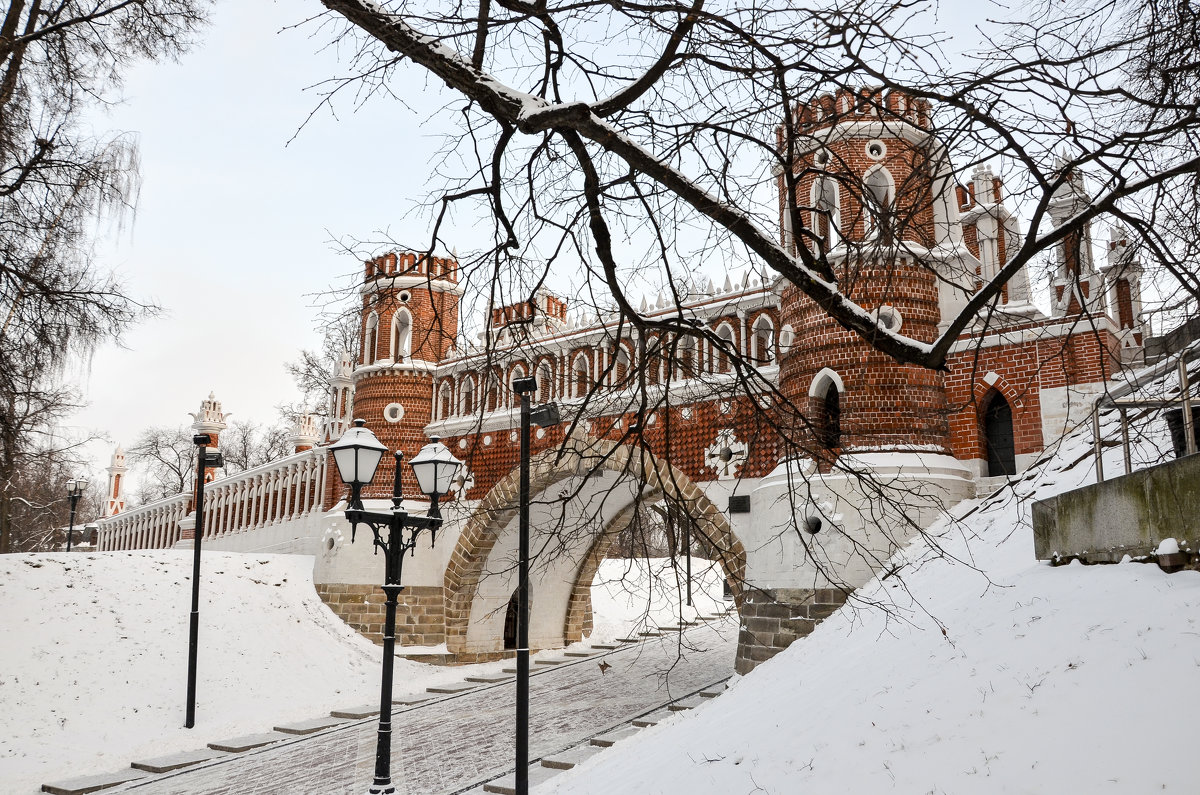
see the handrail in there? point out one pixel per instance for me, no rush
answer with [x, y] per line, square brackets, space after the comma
[1109, 401]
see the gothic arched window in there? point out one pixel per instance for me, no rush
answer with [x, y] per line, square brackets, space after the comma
[467, 395]
[545, 382]
[826, 216]
[879, 201]
[725, 349]
[401, 335]
[579, 376]
[371, 339]
[825, 402]
[762, 341]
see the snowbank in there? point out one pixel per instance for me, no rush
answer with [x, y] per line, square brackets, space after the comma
[989, 672]
[93, 665]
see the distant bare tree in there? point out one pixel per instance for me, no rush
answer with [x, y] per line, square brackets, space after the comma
[58, 61]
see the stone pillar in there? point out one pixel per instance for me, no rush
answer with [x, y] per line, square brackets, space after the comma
[773, 618]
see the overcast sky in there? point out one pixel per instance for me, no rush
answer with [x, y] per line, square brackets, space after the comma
[235, 226]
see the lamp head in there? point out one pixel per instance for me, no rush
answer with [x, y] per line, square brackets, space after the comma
[357, 455]
[435, 467]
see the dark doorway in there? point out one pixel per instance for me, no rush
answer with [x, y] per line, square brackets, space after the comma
[998, 437]
[510, 623]
[829, 418]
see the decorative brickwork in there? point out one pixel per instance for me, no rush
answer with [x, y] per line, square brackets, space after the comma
[774, 619]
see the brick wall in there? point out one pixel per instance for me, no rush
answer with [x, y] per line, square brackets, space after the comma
[420, 612]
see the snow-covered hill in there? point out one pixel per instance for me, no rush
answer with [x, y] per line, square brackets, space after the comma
[93, 657]
[989, 672]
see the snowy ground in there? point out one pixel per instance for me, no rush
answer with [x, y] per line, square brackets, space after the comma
[1004, 675]
[94, 657]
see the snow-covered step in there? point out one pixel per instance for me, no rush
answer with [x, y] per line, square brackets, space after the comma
[490, 679]
[691, 702]
[311, 725]
[239, 744]
[714, 691]
[507, 785]
[165, 764]
[653, 719]
[100, 781]
[551, 661]
[614, 736]
[408, 699]
[571, 757]
[650, 633]
[582, 653]
[453, 687]
[629, 640]
[605, 646]
[356, 713]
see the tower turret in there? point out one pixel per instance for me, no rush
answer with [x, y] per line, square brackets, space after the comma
[409, 323]
[875, 199]
[210, 419]
[114, 501]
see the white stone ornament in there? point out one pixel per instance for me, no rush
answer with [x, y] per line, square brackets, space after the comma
[726, 454]
[393, 412]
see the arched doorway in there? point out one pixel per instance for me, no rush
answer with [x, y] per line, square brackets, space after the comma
[584, 495]
[510, 622]
[998, 437]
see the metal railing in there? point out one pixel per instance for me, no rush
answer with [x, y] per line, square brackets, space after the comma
[1123, 405]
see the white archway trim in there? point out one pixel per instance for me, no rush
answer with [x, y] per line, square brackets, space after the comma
[821, 382]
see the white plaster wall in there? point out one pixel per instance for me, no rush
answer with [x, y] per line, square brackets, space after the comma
[1064, 407]
[297, 536]
[860, 531]
[338, 560]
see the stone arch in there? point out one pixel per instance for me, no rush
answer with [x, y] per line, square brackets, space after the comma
[577, 457]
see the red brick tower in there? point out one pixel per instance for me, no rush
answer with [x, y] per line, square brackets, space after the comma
[409, 324]
[873, 190]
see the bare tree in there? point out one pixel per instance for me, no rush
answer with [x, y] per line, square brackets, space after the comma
[166, 462]
[57, 179]
[587, 122]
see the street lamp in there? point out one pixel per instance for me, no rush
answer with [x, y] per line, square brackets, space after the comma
[74, 491]
[357, 455]
[205, 458]
[543, 415]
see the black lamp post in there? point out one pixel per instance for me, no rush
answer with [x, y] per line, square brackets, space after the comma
[205, 458]
[74, 491]
[357, 455]
[543, 415]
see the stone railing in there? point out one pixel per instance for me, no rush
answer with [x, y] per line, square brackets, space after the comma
[151, 526]
[270, 494]
[273, 493]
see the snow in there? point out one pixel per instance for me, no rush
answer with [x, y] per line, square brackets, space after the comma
[1168, 546]
[983, 671]
[629, 595]
[94, 657]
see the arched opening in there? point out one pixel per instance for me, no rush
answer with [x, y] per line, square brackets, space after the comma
[879, 203]
[468, 395]
[998, 436]
[401, 336]
[510, 621]
[545, 383]
[825, 409]
[445, 401]
[370, 339]
[579, 376]
[826, 216]
[585, 495]
[622, 366]
[725, 349]
[762, 341]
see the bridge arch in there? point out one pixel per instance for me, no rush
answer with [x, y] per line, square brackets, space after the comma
[595, 487]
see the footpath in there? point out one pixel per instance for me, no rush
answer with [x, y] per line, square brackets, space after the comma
[458, 738]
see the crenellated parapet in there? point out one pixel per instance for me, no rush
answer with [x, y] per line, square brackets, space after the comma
[863, 104]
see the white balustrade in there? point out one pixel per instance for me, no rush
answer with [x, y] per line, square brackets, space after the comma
[280, 491]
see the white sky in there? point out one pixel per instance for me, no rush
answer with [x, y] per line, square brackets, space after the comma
[234, 226]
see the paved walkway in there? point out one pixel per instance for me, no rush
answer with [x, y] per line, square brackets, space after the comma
[449, 745]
